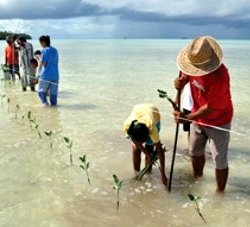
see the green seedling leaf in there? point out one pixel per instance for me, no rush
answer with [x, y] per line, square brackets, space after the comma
[8, 100]
[191, 197]
[29, 115]
[162, 96]
[162, 92]
[66, 139]
[48, 133]
[116, 179]
[197, 197]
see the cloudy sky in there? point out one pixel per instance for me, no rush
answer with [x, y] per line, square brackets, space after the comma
[127, 18]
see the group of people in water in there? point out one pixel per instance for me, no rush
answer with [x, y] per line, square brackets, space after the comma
[39, 67]
[203, 73]
[207, 115]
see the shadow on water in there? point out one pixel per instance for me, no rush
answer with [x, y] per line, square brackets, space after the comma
[240, 184]
[78, 106]
[66, 94]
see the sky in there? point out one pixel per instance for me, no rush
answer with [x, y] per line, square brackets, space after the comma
[225, 19]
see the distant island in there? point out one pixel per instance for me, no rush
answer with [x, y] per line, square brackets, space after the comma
[4, 34]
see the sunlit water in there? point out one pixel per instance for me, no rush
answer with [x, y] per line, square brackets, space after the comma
[101, 80]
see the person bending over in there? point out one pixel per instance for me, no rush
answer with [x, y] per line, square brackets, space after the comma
[143, 126]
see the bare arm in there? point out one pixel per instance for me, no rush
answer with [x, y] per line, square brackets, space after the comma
[201, 112]
[143, 149]
[161, 156]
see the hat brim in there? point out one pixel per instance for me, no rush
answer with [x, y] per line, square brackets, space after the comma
[203, 69]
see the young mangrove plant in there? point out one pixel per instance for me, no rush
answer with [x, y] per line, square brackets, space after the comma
[85, 166]
[49, 134]
[164, 94]
[17, 110]
[117, 187]
[69, 144]
[195, 198]
[8, 102]
[36, 127]
[29, 118]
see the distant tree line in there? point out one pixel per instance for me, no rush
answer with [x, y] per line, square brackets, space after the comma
[4, 34]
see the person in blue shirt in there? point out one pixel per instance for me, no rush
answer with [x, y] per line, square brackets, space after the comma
[49, 74]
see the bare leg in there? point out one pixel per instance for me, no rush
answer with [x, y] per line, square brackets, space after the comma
[221, 179]
[198, 163]
[136, 157]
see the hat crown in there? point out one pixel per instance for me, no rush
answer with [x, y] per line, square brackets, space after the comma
[200, 51]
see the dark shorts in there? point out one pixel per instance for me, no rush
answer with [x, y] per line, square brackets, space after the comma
[14, 69]
[186, 125]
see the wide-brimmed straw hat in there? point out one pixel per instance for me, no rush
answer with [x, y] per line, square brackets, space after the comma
[201, 57]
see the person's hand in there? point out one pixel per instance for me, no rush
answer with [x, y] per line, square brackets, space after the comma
[179, 117]
[180, 82]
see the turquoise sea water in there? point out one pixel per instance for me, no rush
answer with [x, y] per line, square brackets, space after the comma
[101, 81]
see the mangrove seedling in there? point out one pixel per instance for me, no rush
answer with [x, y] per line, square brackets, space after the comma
[85, 166]
[164, 94]
[36, 127]
[117, 187]
[69, 144]
[29, 118]
[8, 102]
[17, 110]
[195, 198]
[49, 134]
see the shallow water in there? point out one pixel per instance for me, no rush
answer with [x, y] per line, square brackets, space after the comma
[101, 80]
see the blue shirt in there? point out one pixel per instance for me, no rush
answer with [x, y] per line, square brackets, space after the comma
[49, 59]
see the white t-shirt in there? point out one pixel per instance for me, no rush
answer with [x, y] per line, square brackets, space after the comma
[187, 98]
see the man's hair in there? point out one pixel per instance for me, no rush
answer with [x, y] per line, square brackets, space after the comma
[9, 39]
[22, 39]
[37, 52]
[45, 39]
[138, 131]
[33, 61]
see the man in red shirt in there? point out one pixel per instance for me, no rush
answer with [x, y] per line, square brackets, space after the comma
[201, 65]
[11, 57]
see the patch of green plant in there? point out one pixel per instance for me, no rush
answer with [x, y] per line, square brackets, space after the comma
[85, 166]
[195, 199]
[164, 94]
[49, 134]
[117, 187]
[17, 110]
[35, 125]
[69, 144]
[29, 118]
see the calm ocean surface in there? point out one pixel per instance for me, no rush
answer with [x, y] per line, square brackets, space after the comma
[101, 81]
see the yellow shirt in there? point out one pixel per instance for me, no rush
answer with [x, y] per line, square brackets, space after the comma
[147, 114]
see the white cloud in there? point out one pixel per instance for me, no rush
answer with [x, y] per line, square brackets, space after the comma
[15, 25]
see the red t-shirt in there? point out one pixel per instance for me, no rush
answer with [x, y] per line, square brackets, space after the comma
[9, 55]
[213, 89]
